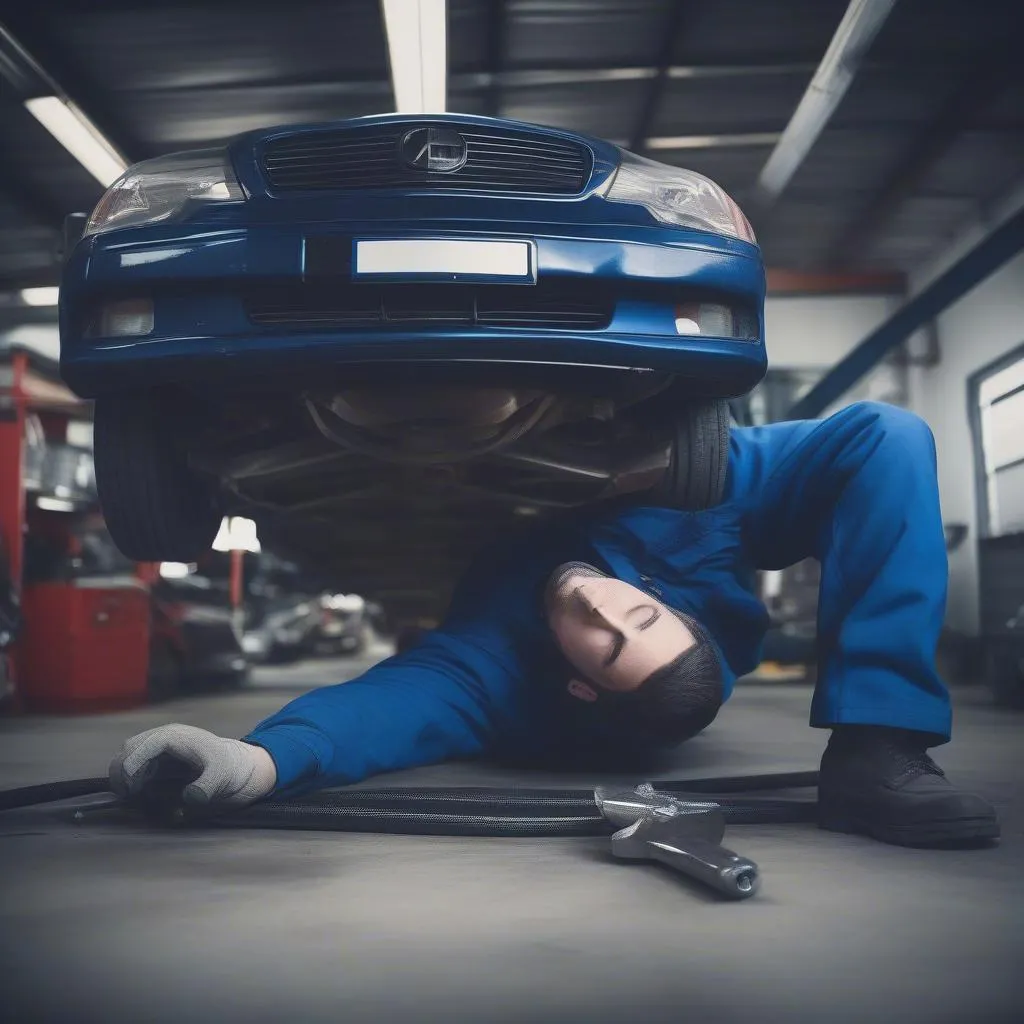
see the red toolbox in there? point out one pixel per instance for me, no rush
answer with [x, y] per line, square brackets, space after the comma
[84, 645]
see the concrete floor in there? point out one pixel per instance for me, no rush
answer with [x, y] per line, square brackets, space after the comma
[104, 922]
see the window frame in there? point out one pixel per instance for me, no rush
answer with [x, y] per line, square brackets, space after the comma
[975, 381]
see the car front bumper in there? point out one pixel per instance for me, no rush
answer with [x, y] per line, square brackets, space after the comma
[201, 279]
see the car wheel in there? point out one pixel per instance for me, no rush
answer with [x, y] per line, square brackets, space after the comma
[700, 457]
[156, 508]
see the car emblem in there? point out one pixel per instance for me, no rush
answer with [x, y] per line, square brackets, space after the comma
[434, 149]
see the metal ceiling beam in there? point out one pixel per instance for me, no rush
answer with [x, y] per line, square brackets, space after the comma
[487, 79]
[856, 32]
[727, 140]
[656, 86]
[33, 278]
[850, 282]
[929, 146]
[35, 66]
[1005, 242]
[17, 316]
[37, 207]
[497, 30]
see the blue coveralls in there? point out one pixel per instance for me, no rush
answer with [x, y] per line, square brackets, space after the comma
[857, 491]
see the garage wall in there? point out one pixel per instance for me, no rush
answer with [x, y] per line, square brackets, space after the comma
[815, 332]
[984, 325]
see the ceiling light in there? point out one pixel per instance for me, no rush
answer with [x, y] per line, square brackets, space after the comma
[417, 33]
[79, 136]
[40, 296]
[237, 534]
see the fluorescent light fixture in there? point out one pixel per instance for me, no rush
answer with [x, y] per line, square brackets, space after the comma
[417, 32]
[853, 38]
[79, 136]
[40, 296]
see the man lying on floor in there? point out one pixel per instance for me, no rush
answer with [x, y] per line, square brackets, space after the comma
[625, 632]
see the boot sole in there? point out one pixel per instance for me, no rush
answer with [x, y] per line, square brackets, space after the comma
[956, 831]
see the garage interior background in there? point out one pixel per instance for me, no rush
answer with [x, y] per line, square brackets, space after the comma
[874, 145]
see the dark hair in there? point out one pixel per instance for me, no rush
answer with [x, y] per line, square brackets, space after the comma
[683, 698]
[674, 703]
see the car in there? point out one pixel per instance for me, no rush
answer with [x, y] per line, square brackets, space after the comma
[389, 338]
[282, 630]
[343, 627]
[194, 642]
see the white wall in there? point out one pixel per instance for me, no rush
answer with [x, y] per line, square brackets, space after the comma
[817, 331]
[984, 325]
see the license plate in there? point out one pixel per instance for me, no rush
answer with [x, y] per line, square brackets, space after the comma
[444, 259]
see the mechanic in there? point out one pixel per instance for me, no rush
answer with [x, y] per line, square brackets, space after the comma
[616, 633]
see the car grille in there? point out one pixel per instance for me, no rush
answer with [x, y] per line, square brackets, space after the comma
[369, 158]
[558, 306]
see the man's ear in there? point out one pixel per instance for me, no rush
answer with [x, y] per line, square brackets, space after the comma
[582, 691]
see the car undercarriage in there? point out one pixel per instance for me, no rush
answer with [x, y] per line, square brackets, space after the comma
[394, 488]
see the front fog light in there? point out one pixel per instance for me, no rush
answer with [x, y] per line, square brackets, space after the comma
[713, 320]
[129, 318]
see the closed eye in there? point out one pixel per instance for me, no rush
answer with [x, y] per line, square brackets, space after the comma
[617, 645]
[651, 620]
[620, 641]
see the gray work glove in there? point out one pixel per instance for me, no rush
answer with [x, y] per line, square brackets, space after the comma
[233, 773]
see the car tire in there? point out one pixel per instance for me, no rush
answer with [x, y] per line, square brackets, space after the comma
[700, 457]
[156, 508]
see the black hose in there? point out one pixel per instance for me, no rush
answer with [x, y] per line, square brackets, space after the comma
[740, 783]
[477, 812]
[10, 799]
[466, 811]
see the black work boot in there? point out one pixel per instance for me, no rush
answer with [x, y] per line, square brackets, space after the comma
[881, 783]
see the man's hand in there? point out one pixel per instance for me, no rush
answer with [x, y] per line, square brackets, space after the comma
[230, 773]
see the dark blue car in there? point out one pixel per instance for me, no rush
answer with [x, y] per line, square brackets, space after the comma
[385, 320]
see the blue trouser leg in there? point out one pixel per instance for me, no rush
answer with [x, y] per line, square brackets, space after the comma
[859, 492]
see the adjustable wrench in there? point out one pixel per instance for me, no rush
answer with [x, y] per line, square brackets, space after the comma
[683, 834]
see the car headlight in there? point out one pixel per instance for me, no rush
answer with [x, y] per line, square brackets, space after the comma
[164, 188]
[677, 196]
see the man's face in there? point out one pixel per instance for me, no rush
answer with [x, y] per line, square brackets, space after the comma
[613, 634]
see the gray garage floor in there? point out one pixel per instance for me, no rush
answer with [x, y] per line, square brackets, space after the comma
[122, 923]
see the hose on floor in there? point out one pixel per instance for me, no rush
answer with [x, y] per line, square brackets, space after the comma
[463, 811]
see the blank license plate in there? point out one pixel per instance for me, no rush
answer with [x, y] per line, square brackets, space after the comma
[444, 259]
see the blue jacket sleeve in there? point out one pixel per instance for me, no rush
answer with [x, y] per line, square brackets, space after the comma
[445, 698]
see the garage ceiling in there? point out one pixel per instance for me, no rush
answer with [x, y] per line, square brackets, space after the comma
[930, 132]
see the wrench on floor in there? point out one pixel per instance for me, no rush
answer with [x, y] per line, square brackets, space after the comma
[682, 834]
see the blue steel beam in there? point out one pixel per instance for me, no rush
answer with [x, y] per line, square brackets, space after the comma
[970, 270]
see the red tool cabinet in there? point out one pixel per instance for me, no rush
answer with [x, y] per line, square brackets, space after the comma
[85, 645]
